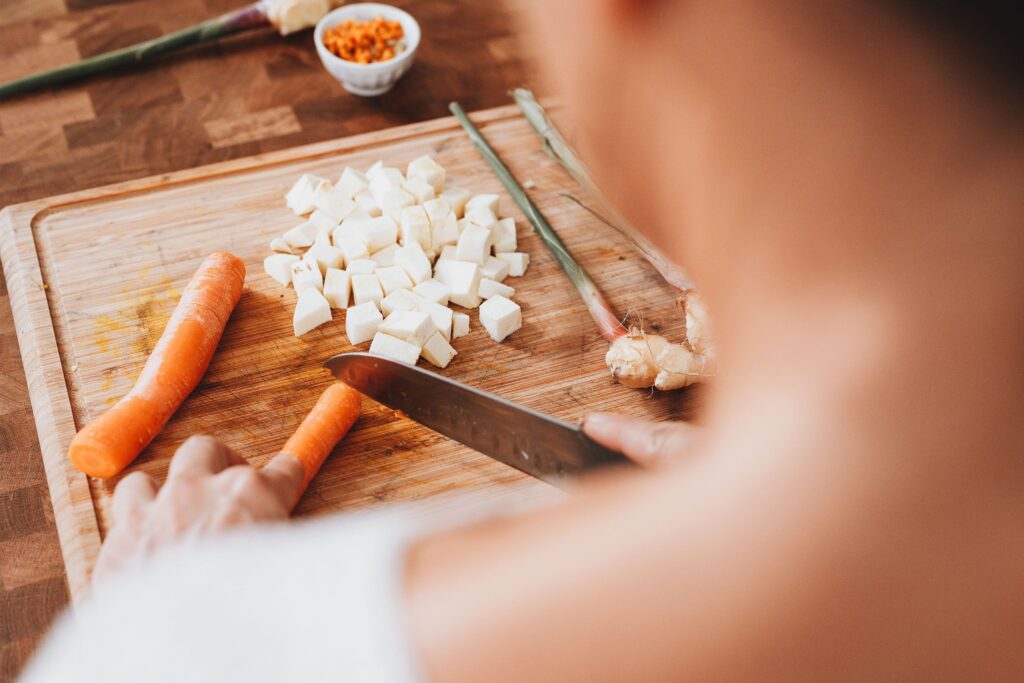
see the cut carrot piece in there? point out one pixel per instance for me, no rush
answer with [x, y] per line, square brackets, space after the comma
[331, 418]
[109, 443]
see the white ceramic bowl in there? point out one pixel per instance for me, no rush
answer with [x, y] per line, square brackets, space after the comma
[368, 80]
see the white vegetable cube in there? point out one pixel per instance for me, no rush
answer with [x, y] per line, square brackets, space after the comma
[481, 215]
[413, 261]
[393, 201]
[367, 202]
[433, 290]
[366, 287]
[415, 226]
[414, 327]
[475, 244]
[438, 351]
[311, 311]
[393, 278]
[351, 183]
[279, 267]
[331, 202]
[391, 347]
[494, 269]
[436, 209]
[517, 263]
[337, 287]
[398, 300]
[490, 288]
[460, 325]
[300, 198]
[386, 256]
[378, 232]
[375, 168]
[324, 255]
[487, 201]
[505, 236]
[440, 316]
[361, 266]
[427, 170]
[457, 198]
[500, 317]
[301, 236]
[306, 275]
[383, 179]
[463, 279]
[352, 247]
[444, 231]
[323, 221]
[461, 224]
[279, 245]
[361, 322]
[421, 190]
[448, 252]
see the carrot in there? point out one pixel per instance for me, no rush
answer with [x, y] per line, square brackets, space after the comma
[326, 424]
[180, 358]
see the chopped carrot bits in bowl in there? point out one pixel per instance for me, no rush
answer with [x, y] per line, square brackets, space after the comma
[365, 42]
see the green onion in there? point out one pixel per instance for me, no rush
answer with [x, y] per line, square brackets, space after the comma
[600, 309]
[248, 17]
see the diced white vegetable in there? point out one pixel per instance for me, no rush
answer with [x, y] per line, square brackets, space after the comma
[460, 325]
[386, 256]
[279, 267]
[461, 224]
[301, 236]
[352, 247]
[332, 203]
[300, 198]
[361, 322]
[375, 168]
[391, 347]
[463, 279]
[399, 300]
[384, 180]
[517, 263]
[490, 288]
[482, 216]
[505, 236]
[337, 287]
[361, 266]
[486, 201]
[413, 261]
[366, 288]
[311, 311]
[365, 201]
[420, 189]
[433, 290]
[436, 209]
[306, 275]
[475, 244]
[393, 278]
[427, 170]
[494, 269]
[444, 231]
[414, 327]
[393, 201]
[356, 225]
[448, 252]
[323, 221]
[280, 246]
[351, 183]
[379, 233]
[438, 351]
[500, 317]
[324, 255]
[415, 227]
[440, 316]
[457, 198]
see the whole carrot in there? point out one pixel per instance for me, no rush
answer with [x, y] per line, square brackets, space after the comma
[109, 443]
[326, 424]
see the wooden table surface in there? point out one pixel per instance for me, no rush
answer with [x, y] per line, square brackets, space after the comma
[246, 95]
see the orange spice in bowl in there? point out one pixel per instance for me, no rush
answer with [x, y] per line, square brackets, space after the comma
[365, 42]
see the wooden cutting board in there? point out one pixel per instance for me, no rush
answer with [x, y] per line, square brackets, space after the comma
[94, 275]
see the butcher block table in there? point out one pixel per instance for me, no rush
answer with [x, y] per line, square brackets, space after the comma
[200, 149]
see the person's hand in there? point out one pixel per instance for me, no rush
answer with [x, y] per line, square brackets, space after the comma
[209, 488]
[645, 442]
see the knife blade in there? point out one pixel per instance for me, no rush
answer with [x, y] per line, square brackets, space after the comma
[528, 440]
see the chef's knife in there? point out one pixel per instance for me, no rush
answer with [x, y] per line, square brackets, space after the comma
[532, 442]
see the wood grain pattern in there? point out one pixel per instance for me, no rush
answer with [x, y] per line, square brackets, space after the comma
[93, 277]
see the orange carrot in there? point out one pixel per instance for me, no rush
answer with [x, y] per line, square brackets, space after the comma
[107, 444]
[333, 415]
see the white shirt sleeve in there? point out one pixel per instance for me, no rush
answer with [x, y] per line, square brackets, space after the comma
[312, 601]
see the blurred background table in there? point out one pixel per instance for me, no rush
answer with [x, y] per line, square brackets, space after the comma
[245, 95]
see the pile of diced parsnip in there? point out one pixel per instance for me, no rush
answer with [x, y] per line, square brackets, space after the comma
[395, 251]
